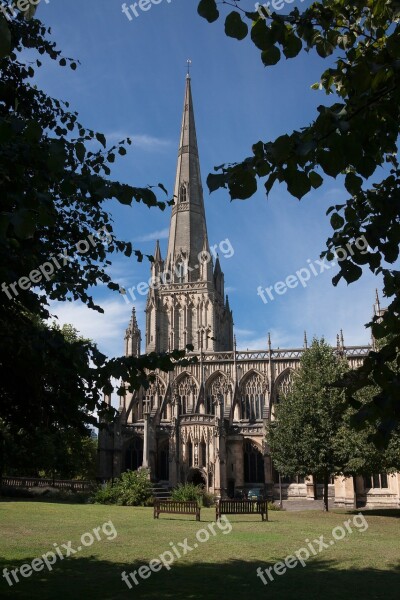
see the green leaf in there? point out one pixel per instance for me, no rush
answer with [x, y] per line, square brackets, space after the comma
[261, 35]
[315, 179]
[208, 10]
[5, 38]
[235, 27]
[281, 148]
[100, 137]
[271, 56]
[270, 182]
[351, 272]
[80, 151]
[299, 185]
[292, 46]
[324, 47]
[160, 185]
[332, 162]
[215, 182]
[353, 183]
[242, 185]
[337, 221]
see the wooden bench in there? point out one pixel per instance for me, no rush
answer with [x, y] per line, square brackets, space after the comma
[242, 507]
[177, 508]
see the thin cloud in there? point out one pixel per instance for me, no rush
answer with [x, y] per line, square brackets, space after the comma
[162, 234]
[142, 141]
[105, 329]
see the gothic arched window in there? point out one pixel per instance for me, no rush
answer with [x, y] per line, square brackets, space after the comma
[183, 193]
[186, 390]
[283, 385]
[154, 395]
[253, 397]
[190, 453]
[217, 391]
[203, 454]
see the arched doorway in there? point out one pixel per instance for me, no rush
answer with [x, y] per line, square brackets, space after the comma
[197, 478]
[253, 463]
[163, 461]
[134, 455]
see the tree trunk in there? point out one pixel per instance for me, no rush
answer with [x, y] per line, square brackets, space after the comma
[326, 483]
[2, 445]
[315, 489]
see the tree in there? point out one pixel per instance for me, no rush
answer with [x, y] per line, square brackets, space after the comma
[40, 443]
[302, 436]
[354, 136]
[354, 446]
[56, 240]
[64, 453]
[312, 431]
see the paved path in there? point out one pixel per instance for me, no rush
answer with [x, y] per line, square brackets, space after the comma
[302, 504]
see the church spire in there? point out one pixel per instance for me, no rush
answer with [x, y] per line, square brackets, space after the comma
[133, 336]
[187, 306]
[157, 253]
[188, 230]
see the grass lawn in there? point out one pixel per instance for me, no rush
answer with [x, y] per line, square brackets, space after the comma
[361, 565]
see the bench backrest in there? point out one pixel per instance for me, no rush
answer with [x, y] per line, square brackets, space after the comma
[231, 507]
[176, 506]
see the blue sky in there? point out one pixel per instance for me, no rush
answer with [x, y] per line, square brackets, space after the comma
[131, 82]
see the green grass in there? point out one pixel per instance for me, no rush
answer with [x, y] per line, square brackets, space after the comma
[362, 565]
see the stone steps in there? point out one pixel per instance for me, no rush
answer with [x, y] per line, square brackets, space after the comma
[161, 491]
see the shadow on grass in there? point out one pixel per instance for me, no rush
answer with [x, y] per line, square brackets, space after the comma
[378, 512]
[89, 578]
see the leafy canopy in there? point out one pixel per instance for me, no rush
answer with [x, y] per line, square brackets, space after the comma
[56, 241]
[354, 136]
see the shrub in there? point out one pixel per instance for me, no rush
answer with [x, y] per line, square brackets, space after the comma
[187, 492]
[208, 499]
[132, 488]
[49, 494]
[273, 506]
[190, 492]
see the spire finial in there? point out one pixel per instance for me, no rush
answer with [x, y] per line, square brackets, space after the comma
[305, 340]
[378, 304]
[269, 341]
[341, 339]
[189, 64]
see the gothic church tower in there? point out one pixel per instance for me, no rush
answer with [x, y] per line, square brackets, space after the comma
[186, 304]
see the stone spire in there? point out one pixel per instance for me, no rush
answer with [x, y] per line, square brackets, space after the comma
[157, 253]
[188, 230]
[133, 337]
[188, 304]
[377, 305]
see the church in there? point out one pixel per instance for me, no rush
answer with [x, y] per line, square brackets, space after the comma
[206, 423]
